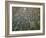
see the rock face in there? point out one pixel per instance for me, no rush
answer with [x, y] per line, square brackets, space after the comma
[25, 18]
